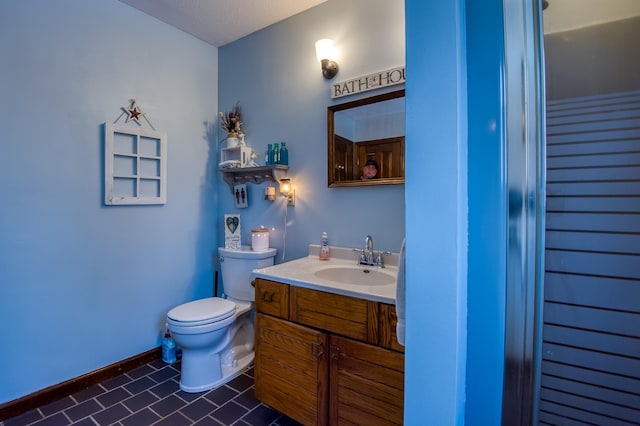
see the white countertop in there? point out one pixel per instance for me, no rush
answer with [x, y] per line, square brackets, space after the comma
[300, 273]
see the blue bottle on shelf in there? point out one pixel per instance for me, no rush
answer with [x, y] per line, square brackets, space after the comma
[284, 154]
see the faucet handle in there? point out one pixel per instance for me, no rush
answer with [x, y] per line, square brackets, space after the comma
[379, 262]
[362, 258]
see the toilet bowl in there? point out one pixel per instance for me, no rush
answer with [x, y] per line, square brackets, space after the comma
[216, 333]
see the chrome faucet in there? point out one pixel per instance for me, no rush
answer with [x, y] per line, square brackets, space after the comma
[368, 249]
[368, 256]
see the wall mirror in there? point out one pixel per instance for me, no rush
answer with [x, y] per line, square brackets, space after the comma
[363, 134]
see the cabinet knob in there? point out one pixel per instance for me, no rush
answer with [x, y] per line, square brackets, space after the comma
[336, 354]
[267, 297]
[316, 350]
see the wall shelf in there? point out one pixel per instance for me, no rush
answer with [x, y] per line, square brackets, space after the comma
[254, 174]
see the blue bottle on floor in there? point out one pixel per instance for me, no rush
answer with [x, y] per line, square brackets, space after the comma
[168, 348]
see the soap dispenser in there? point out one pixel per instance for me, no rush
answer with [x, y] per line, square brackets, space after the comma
[324, 247]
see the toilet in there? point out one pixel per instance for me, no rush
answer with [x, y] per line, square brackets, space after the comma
[216, 333]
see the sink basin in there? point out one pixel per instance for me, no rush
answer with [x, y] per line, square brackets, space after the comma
[355, 275]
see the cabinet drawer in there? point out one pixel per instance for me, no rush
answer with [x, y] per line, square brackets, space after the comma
[388, 321]
[343, 315]
[272, 298]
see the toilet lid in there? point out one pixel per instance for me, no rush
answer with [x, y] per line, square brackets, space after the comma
[200, 311]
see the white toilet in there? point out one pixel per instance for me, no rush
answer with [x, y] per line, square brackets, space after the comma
[216, 334]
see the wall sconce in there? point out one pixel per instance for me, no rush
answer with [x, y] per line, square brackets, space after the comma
[325, 52]
[286, 189]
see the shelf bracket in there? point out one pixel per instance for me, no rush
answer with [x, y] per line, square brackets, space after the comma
[255, 175]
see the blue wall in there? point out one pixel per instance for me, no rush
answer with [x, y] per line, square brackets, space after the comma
[456, 199]
[275, 76]
[437, 213]
[487, 213]
[78, 275]
[83, 285]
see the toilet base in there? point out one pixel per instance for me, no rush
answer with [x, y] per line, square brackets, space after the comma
[205, 368]
[229, 372]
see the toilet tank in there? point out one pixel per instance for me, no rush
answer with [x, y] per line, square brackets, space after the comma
[236, 266]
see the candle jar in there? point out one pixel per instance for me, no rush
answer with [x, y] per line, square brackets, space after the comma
[259, 239]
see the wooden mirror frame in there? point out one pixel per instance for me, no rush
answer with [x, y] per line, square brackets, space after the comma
[331, 143]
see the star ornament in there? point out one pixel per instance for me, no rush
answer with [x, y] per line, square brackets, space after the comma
[134, 113]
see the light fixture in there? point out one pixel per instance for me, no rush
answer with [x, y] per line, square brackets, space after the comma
[286, 189]
[325, 52]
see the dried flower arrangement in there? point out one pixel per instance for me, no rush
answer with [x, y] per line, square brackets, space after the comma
[230, 122]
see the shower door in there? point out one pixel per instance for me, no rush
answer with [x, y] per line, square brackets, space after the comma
[590, 353]
[572, 326]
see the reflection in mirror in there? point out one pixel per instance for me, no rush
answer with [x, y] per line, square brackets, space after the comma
[366, 141]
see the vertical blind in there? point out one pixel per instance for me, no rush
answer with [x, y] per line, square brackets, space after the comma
[590, 369]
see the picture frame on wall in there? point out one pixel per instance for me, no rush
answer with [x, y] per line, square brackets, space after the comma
[135, 169]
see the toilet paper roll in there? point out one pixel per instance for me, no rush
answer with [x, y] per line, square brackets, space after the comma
[270, 193]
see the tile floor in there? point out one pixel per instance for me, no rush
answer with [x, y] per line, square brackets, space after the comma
[150, 395]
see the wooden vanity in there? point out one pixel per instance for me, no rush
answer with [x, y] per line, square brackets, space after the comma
[325, 358]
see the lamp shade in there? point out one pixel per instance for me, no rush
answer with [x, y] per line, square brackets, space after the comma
[285, 186]
[324, 49]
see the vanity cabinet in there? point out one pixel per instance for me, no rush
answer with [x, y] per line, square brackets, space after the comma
[327, 358]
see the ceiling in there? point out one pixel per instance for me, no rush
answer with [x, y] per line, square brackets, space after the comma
[564, 15]
[219, 22]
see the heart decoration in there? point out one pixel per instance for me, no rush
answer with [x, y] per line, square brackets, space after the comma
[232, 224]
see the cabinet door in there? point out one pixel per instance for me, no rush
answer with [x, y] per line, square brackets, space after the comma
[343, 160]
[389, 153]
[367, 384]
[291, 369]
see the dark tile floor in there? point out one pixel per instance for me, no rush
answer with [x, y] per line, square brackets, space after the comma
[150, 395]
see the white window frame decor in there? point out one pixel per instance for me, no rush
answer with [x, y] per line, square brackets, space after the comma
[135, 166]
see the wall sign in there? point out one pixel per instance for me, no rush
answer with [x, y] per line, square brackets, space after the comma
[232, 239]
[376, 80]
[241, 195]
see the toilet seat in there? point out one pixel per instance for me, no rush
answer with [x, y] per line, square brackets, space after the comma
[202, 312]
